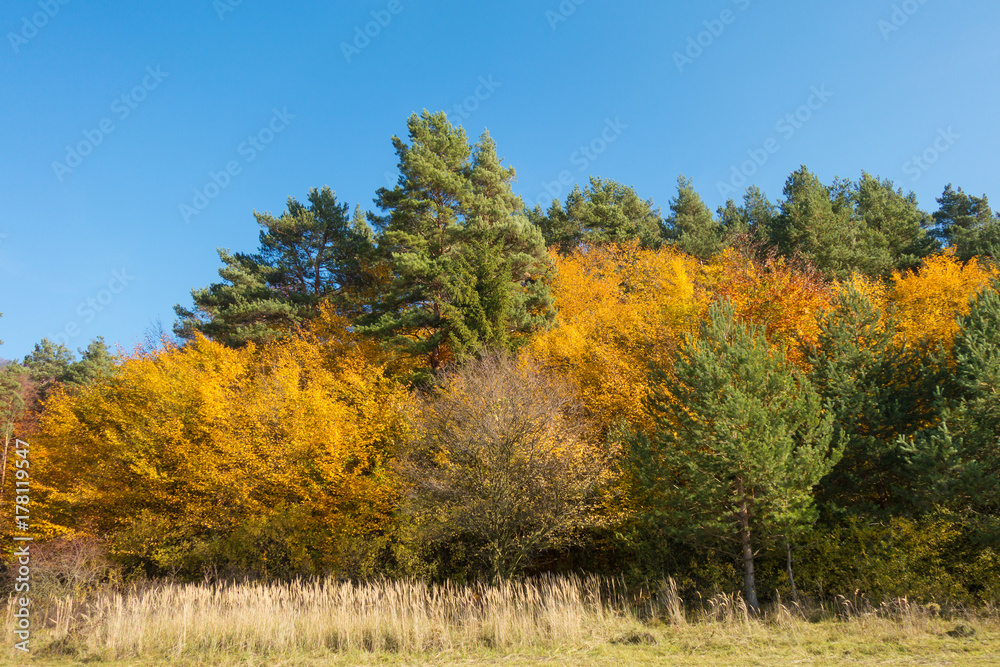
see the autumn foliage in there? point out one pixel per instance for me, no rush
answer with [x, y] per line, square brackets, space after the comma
[773, 293]
[620, 309]
[308, 452]
[930, 300]
[208, 454]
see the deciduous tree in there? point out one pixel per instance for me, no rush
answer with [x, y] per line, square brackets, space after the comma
[503, 455]
[620, 308]
[258, 460]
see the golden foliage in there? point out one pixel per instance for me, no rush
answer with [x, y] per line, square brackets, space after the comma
[620, 308]
[929, 300]
[774, 294]
[205, 439]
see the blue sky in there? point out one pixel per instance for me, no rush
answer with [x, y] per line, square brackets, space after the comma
[114, 115]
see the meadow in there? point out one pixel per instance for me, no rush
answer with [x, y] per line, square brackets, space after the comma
[551, 620]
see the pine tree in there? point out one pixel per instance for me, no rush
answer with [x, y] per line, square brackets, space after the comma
[557, 228]
[761, 214]
[307, 255]
[958, 460]
[12, 407]
[811, 226]
[604, 212]
[876, 392]
[47, 365]
[959, 214]
[734, 223]
[95, 362]
[690, 224]
[896, 235]
[450, 222]
[749, 224]
[512, 264]
[740, 442]
[967, 223]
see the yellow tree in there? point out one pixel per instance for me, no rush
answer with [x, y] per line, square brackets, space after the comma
[502, 456]
[929, 300]
[620, 307]
[261, 460]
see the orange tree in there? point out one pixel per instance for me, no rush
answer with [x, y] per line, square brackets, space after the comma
[773, 293]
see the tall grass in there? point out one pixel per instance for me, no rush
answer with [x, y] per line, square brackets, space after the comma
[172, 621]
[394, 616]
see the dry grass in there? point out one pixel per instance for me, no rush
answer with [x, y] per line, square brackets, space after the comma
[591, 621]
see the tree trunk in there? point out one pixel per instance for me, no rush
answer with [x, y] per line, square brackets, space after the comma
[748, 573]
[791, 579]
[3, 466]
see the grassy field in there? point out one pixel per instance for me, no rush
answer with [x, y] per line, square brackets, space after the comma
[552, 621]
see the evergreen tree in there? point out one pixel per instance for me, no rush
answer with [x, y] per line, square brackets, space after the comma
[967, 223]
[604, 212]
[958, 460]
[733, 221]
[512, 264]
[12, 407]
[691, 225]
[809, 225]
[12, 404]
[306, 256]
[896, 229]
[95, 362]
[47, 365]
[760, 213]
[959, 215]
[876, 391]
[556, 226]
[740, 441]
[450, 222]
[751, 223]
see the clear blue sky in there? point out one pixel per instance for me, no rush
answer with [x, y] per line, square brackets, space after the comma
[199, 79]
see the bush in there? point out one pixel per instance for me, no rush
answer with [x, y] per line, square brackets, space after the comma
[935, 558]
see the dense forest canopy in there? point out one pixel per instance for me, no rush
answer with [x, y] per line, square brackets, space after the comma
[455, 386]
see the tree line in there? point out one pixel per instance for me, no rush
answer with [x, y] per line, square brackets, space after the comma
[799, 395]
